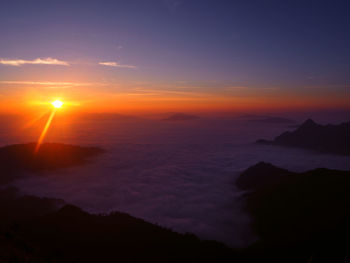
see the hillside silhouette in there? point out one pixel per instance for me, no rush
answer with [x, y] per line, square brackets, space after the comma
[19, 158]
[261, 175]
[36, 229]
[329, 138]
[299, 216]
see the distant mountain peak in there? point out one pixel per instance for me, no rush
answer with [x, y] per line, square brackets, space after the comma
[19, 158]
[322, 138]
[308, 123]
[260, 175]
[265, 167]
[262, 165]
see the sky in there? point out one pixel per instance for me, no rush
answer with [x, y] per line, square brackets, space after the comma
[174, 55]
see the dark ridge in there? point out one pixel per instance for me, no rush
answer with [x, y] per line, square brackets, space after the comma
[180, 117]
[299, 216]
[18, 158]
[308, 123]
[333, 139]
[261, 175]
[43, 232]
[15, 206]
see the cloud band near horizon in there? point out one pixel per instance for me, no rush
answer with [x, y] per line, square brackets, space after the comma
[38, 61]
[115, 64]
[57, 62]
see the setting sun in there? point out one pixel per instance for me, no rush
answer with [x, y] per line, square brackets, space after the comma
[57, 104]
[112, 113]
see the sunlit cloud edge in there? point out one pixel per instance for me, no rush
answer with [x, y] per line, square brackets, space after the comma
[50, 84]
[37, 61]
[115, 64]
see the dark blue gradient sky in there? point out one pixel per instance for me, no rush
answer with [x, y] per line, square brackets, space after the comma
[295, 47]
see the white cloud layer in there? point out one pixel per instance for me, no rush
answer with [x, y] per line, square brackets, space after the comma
[38, 61]
[49, 84]
[179, 175]
[54, 61]
[115, 64]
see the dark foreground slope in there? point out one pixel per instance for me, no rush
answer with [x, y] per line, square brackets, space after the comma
[299, 216]
[323, 138]
[36, 229]
[44, 232]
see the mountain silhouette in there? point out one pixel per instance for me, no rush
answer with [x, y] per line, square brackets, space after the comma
[298, 216]
[333, 139]
[19, 158]
[261, 175]
[36, 229]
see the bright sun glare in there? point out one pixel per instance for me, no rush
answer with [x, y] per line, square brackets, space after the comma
[57, 104]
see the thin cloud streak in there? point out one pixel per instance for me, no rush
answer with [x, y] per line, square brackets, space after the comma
[116, 64]
[38, 61]
[50, 84]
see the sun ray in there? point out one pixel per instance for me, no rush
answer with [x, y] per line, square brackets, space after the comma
[33, 121]
[43, 133]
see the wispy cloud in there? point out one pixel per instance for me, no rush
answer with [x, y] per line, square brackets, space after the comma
[115, 64]
[38, 61]
[49, 84]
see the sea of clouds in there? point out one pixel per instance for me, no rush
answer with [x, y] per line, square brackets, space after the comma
[180, 175]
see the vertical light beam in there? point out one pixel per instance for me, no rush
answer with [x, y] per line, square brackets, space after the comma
[43, 133]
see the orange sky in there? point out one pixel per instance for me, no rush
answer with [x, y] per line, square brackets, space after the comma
[90, 97]
[112, 57]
